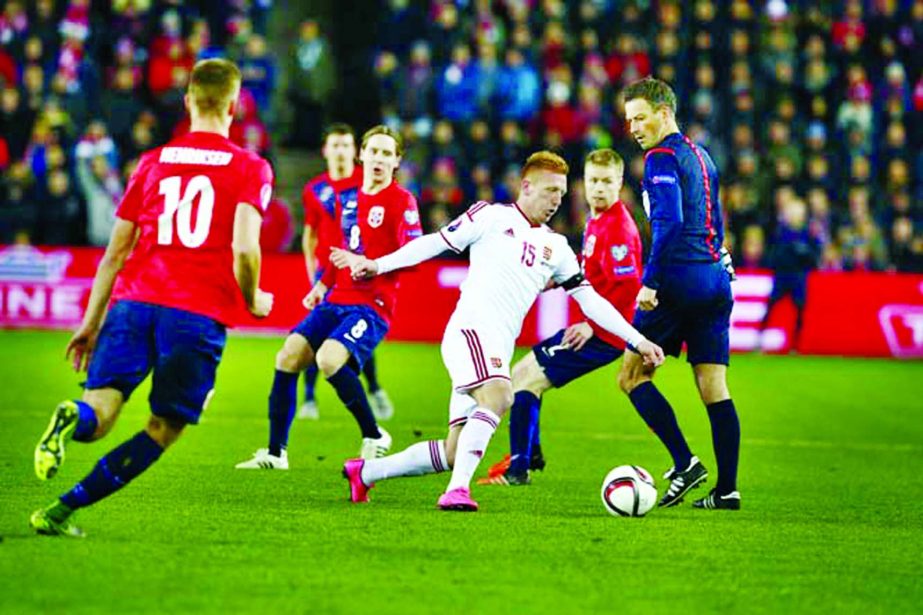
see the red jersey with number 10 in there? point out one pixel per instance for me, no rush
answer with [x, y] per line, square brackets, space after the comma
[183, 197]
[372, 225]
[612, 263]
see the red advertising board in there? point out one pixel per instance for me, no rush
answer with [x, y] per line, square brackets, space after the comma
[851, 314]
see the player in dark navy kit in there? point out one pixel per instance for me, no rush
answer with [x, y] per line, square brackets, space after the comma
[340, 182]
[686, 292]
[344, 327]
[611, 261]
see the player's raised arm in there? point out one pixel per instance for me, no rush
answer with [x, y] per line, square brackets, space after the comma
[121, 242]
[247, 259]
[412, 253]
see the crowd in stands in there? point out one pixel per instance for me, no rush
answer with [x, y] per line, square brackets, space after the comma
[814, 105]
[819, 104]
[86, 87]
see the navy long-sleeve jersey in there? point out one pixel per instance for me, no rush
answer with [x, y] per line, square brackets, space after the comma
[681, 200]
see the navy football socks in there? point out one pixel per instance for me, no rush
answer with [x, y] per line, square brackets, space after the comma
[523, 425]
[86, 422]
[281, 410]
[310, 382]
[725, 434]
[351, 393]
[119, 467]
[657, 413]
[370, 372]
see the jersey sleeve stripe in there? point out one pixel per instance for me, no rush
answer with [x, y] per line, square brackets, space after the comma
[449, 243]
[659, 150]
[708, 204]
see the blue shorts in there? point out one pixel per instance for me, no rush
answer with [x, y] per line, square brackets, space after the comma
[561, 364]
[358, 327]
[183, 350]
[694, 306]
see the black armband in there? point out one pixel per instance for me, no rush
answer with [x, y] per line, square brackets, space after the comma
[573, 282]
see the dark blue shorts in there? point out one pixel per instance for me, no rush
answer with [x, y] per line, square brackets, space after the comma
[183, 350]
[561, 365]
[694, 306]
[358, 327]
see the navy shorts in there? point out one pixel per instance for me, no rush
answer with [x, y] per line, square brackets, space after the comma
[561, 364]
[183, 350]
[694, 306]
[358, 327]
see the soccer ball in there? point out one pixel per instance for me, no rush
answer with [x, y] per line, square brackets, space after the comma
[628, 491]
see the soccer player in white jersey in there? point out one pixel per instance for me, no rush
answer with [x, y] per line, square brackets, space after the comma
[513, 258]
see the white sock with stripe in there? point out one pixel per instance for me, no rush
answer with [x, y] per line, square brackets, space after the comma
[472, 443]
[415, 460]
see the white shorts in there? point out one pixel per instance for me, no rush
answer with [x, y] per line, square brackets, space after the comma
[475, 356]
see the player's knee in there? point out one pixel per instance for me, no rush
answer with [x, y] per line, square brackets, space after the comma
[712, 386]
[629, 379]
[106, 406]
[293, 357]
[165, 431]
[529, 376]
[330, 362]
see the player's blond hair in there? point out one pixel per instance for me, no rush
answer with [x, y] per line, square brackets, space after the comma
[381, 129]
[544, 161]
[605, 158]
[213, 85]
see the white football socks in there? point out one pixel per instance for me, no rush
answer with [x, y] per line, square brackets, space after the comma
[472, 443]
[415, 460]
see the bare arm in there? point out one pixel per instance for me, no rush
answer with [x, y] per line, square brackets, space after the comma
[411, 253]
[80, 347]
[247, 259]
[308, 248]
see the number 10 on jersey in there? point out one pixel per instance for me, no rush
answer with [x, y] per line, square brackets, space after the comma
[177, 204]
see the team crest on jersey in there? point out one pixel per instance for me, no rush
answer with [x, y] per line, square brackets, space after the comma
[376, 216]
[619, 252]
[411, 216]
[589, 245]
[546, 253]
[496, 362]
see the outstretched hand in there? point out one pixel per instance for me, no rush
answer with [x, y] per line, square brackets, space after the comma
[360, 267]
[80, 347]
[652, 353]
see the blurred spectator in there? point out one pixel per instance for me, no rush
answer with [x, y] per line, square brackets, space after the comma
[258, 69]
[312, 81]
[793, 254]
[278, 228]
[415, 85]
[519, 93]
[102, 190]
[457, 87]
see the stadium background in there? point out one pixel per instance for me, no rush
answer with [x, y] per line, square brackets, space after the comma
[797, 101]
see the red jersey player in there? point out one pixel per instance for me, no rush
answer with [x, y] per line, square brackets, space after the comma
[344, 326]
[340, 182]
[612, 264]
[183, 259]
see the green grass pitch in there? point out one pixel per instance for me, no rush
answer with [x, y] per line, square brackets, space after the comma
[831, 478]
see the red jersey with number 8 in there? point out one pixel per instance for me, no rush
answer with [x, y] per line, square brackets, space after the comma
[183, 197]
